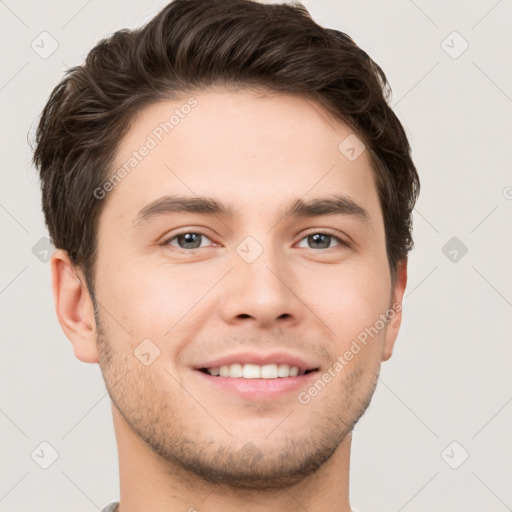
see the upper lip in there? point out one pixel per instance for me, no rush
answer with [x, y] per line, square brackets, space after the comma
[261, 359]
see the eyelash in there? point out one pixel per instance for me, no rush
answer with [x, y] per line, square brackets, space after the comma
[324, 232]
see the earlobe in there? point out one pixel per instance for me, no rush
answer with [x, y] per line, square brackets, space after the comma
[74, 307]
[395, 311]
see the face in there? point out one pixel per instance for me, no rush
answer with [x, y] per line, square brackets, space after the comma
[184, 288]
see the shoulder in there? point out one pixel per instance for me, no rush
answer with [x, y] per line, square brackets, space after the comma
[111, 507]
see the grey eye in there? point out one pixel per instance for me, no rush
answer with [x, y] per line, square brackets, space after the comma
[321, 240]
[188, 240]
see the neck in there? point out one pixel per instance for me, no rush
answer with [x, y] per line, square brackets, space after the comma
[148, 482]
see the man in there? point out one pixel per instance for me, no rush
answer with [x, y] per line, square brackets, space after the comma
[230, 196]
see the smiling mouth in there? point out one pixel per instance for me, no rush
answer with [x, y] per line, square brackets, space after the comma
[258, 382]
[253, 371]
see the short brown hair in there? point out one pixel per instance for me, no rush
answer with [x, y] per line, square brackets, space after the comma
[190, 45]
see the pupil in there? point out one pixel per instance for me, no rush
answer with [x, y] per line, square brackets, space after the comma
[189, 239]
[192, 240]
[316, 238]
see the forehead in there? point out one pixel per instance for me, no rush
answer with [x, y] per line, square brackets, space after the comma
[250, 149]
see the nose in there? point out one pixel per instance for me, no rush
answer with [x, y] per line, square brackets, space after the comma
[265, 292]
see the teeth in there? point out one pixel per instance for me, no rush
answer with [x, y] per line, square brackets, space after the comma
[254, 371]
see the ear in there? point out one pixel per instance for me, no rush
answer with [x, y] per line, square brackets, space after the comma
[74, 307]
[395, 311]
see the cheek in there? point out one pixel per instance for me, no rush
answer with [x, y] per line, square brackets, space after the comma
[352, 302]
[152, 300]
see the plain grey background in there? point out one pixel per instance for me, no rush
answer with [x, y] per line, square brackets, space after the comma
[437, 434]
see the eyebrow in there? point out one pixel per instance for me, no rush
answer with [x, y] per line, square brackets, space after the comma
[332, 205]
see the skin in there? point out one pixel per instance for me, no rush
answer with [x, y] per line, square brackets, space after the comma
[183, 445]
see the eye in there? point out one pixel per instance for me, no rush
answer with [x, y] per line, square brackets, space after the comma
[190, 240]
[187, 240]
[321, 240]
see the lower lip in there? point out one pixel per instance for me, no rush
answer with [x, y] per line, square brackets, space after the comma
[259, 389]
